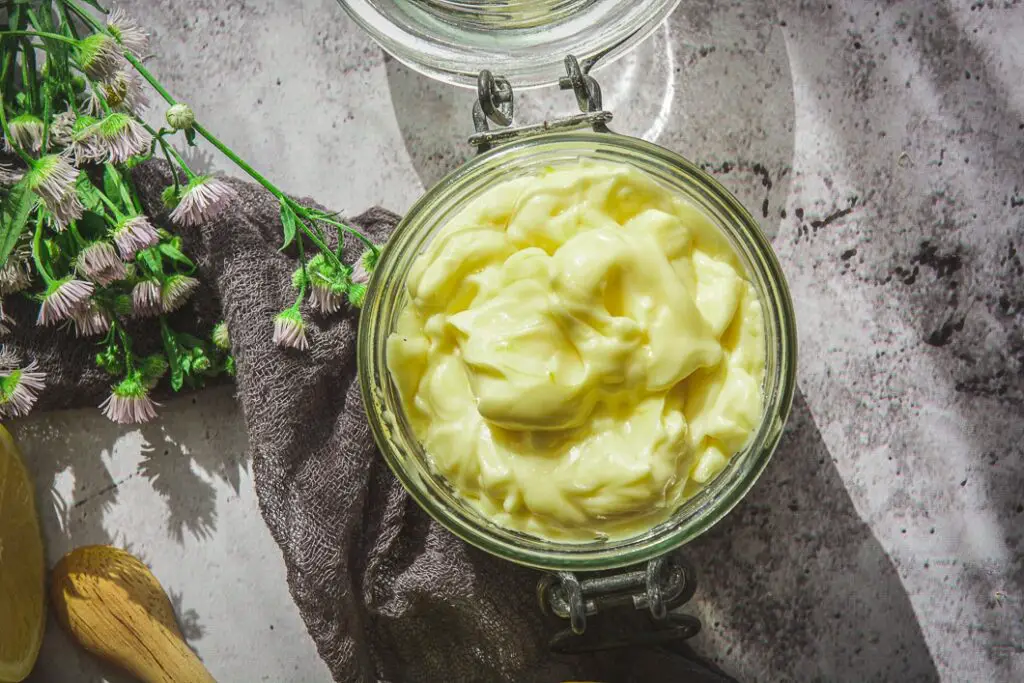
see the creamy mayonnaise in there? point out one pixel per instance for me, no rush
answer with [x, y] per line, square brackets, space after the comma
[581, 351]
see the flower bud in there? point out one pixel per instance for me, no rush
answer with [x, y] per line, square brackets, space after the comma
[180, 117]
[171, 197]
[221, 338]
[153, 368]
[108, 361]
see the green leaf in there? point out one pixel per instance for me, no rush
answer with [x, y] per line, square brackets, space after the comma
[152, 260]
[88, 194]
[29, 76]
[289, 223]
[190, 341]
[111, 181]
[153, 368]
[174, 358]
[52, 250]
[92, 225]
[116, 188]
[175, 255]
[122, 304]
[15, 19]
[15, 212]
[138, 160]
[190, 137]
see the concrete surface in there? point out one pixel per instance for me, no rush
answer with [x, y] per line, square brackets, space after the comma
[880, 145]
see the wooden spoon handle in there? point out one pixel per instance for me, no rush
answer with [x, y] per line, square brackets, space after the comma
[115, 608]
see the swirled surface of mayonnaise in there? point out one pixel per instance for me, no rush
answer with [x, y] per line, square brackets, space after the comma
[581, 351]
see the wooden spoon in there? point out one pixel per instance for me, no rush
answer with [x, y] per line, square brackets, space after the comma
[115, 608]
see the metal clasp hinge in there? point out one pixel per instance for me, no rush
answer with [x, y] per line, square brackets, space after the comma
[496, 103]
[664, 584]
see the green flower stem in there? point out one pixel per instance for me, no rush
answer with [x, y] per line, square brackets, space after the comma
[340, 250]
[133, 192]
[126, 345]
[352, 231]
[168, 150]
[66, 22]
[253, 173]
[7, 76]
[8, 68]
[170, 164]
[320, 244]
[71, 99]
[110, 205]
[76, 235]
[210, 137]
[47, 115]
[171, 151]
[84, 14]
[226, 151]
[144, 72]
[305, 273]
[37, 248]
[39, 34]
[28, 75]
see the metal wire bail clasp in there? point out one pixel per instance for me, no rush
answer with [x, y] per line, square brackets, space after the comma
[663, 584]
[494, 101]
[495, 104]
[578, 79]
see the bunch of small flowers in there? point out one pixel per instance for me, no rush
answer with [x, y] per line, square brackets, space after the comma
[79, 243]
[75, 237]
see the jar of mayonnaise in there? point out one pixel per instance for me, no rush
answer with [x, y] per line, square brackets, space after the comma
[534, 407]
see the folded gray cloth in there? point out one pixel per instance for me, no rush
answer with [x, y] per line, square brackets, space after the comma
[386, 593]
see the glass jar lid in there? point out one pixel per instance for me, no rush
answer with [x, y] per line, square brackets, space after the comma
[523, 40]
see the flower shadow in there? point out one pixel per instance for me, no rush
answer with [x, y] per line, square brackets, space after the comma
[95, 483]
[191, 501]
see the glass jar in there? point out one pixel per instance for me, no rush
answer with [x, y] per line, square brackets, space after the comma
[387, 296]
[523, 40]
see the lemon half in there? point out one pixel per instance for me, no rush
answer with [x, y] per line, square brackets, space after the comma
[21, 567]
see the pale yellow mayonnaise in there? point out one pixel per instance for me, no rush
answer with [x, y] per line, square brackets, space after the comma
[581, 352]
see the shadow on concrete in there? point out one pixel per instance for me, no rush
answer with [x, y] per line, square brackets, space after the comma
[83, 464]
[935, 152]
[191, 501]
[712, 83]
[182, 457]
[200, 159]
[793, 584]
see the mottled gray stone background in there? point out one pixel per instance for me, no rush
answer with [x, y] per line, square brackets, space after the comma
[881, 144]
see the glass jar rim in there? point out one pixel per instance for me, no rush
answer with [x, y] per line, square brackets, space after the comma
[702, 510]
